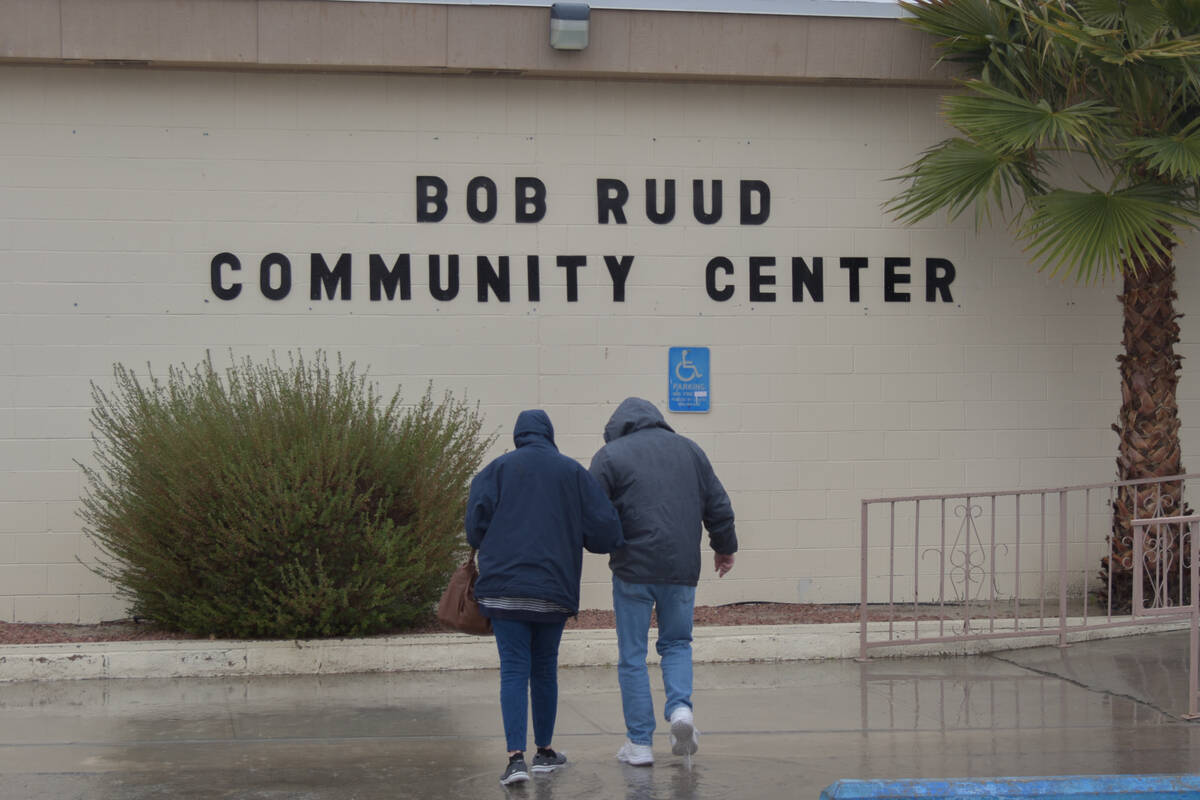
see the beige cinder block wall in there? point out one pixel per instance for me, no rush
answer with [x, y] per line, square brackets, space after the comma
[290, 133]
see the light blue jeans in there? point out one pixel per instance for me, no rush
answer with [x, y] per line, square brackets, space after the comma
[632, 604]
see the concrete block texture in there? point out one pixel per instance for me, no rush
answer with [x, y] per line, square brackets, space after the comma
[150, 30]
[119, 189]
[463, 39]
[31, 29]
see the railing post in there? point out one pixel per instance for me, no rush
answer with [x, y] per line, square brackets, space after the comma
[1193, 653]
[862, 571]
[1062, 569]
[1194, 638]
[1136, 603]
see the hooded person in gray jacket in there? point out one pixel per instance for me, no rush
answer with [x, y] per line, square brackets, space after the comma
[664, 490]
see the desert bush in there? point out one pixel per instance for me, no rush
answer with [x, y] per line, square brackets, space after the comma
[271, 500]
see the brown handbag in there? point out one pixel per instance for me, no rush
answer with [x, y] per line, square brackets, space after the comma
[458, 609]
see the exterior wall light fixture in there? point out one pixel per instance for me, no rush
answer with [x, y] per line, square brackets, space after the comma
[569, 26]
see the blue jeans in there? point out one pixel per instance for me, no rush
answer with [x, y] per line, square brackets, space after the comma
[632, 604]
[528, 660]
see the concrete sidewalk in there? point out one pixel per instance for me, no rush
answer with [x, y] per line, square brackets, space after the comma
[200, 658]
[770, 730]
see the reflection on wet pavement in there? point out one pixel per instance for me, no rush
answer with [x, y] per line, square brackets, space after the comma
[770, 730]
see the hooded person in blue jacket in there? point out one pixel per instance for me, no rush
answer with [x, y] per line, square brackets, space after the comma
[531, 513]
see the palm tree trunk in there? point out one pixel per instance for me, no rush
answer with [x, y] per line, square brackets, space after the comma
[1148, 429]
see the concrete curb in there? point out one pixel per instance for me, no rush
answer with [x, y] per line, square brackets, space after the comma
[455, 651]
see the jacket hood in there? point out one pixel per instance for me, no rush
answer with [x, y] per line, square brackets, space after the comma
[634, 414]
[533, 426]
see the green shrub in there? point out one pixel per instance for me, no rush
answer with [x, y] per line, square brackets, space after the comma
[273, 501]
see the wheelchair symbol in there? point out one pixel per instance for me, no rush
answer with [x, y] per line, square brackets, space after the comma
[686, 370]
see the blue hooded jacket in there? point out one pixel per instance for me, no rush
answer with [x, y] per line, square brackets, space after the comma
[531, 512]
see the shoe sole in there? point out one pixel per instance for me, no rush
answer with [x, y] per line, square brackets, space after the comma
[538, 770]
[649, 762]
[683, 738]
[516, 777]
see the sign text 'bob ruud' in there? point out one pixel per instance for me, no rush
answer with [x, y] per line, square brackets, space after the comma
[390, 276]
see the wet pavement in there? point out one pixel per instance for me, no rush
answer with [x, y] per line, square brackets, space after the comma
[768, 730]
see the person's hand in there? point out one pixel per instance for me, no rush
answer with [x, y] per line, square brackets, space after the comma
[722, 563]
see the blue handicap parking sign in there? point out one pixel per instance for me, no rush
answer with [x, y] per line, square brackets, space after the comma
[688, 379]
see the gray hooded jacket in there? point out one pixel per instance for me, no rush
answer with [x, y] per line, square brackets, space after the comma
[664, 488]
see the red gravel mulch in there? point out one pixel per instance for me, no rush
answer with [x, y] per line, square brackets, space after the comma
[734, 614]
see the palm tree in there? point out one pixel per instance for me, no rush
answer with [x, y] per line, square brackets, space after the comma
[1079, 124]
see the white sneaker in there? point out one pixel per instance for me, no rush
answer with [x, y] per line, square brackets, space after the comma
[639, 755]
[685, 739]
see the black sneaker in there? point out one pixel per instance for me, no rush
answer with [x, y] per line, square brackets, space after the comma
[516, 771]
[547, 760]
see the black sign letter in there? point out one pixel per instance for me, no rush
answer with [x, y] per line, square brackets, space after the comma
[534, 278]
[531, 200]
[618, 269]
[759, 280]
[939, 274]
[219, 289]
[488, 278]
[435, 278]
[805, 278]
[710, 278]
[891, 278]
[652, 212]
[572, 264]
[431, 198]
[488, 212]
[749, 188]
[285, 276]
[698, 202]
[611, 196]
[320, 274]
[855, 265]
[385, 280]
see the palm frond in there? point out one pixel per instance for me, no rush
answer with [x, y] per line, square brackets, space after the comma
[1100, 233]
[1187, 48]
[966, 29]
[1012, 122]
[1102, 13]
[1141, 18]
[1182, 15]
[1105, 44]
[957, 174]
[1176, 157]
[1141, 34]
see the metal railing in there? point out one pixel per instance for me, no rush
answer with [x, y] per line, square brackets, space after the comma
[987, 565]
[1166, 547]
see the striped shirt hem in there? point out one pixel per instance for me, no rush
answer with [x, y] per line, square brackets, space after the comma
[522, 604]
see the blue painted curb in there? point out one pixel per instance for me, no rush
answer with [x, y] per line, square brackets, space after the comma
[1065, 787]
